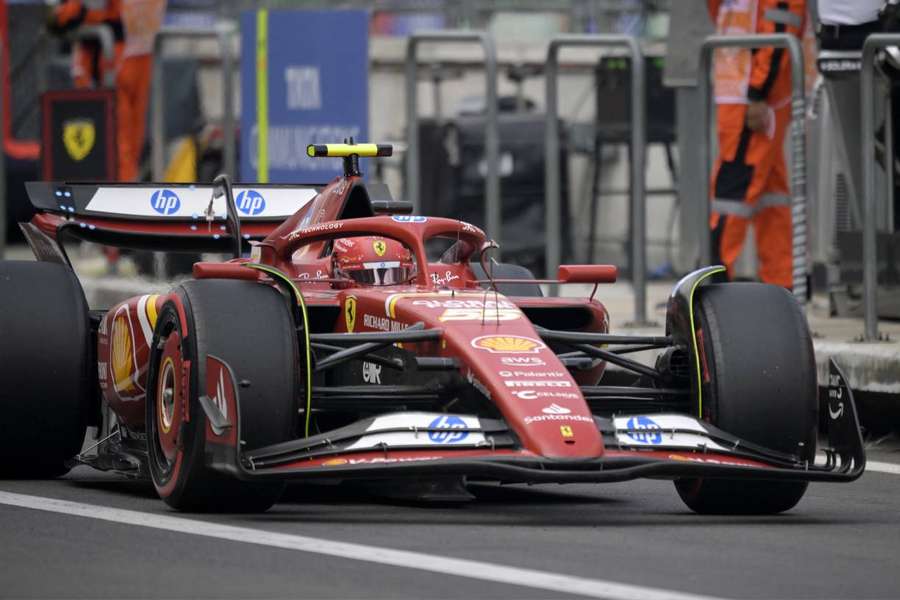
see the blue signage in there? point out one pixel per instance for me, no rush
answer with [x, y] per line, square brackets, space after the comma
[304, 80]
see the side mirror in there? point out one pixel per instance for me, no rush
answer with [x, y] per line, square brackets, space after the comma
[587, 273]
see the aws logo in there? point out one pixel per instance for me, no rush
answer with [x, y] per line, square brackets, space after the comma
[165, 202]
[250, 202]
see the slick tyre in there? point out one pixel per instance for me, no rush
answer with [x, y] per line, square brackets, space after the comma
[46, 373]
[759, 383]
[248, 326]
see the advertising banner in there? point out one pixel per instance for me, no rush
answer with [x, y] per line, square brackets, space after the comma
[78, 135]
[304, 80]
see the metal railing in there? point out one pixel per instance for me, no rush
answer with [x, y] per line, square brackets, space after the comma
[491, 133]
[870, 250]
[104, 36]
[223, 33]
[638, 158]
[798, 144]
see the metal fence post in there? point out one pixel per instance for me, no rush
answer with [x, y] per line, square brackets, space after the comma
[493, 218]
[870, 249]
[222, 33]
[798, 144]
[638, 158]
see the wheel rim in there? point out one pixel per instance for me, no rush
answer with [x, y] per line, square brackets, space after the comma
[168, 403]
[166, 392]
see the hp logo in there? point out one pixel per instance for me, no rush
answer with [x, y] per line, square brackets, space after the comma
[644, 430]
[165, 202]
[409, 219]
[447, 437]
[250, 202]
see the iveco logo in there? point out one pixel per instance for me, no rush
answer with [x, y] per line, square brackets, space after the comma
[250, 202]
[165, 202]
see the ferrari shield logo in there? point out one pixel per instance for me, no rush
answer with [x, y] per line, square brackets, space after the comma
[566, 432]
[380, 247]
[350, 313]
[78, 137]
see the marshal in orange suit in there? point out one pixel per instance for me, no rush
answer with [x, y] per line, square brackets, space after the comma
[753, 96]
[138, 22]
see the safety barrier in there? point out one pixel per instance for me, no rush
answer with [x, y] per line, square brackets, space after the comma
[638, 158]
[223, 33]
[798, 144]
[870, 252]
[491, 134]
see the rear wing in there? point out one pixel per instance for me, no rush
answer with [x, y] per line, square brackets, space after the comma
[167, 202]
[159, 216]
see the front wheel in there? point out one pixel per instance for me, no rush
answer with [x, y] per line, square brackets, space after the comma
[249, 327]
[758, 382]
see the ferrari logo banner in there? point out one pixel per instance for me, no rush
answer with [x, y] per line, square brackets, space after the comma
[79, 136]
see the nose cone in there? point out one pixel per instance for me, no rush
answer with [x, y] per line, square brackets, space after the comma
[537, 396]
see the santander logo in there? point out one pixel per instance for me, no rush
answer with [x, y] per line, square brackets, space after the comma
[555, 409]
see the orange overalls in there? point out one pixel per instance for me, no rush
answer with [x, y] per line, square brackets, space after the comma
[749, 181]
[88, 64]
[142, 20]
[139, 20]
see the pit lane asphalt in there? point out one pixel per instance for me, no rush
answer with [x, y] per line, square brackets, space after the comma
[842, 541]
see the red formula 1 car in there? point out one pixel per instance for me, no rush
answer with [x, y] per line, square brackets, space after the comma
[359, 341]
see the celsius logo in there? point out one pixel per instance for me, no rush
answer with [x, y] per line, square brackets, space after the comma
[446, 422]
[165, 202]
[644, 430]
[250, 202]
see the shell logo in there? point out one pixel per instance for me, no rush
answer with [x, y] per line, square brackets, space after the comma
[508, 344]
[122, 354]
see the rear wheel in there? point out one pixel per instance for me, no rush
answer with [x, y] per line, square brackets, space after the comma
[759, 383]
[248, 326]
[46, 373]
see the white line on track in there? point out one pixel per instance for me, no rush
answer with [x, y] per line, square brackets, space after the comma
[883, 467]
[557, 583]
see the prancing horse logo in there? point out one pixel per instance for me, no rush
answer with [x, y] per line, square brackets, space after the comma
[78, 137]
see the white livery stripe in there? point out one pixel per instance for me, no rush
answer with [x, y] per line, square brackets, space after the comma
[557, 583]
[143, 320]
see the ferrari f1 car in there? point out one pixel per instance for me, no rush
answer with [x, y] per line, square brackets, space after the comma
[361, 342]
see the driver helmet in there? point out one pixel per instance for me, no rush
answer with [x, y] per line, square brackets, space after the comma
[372, 260]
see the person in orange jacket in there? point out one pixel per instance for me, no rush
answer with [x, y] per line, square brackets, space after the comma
[142, 20]
[89, 66]
[139, 21]
[753, 98]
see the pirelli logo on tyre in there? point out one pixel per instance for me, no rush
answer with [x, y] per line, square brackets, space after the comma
[508, 344]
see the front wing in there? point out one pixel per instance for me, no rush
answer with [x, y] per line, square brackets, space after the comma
[418, 444]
